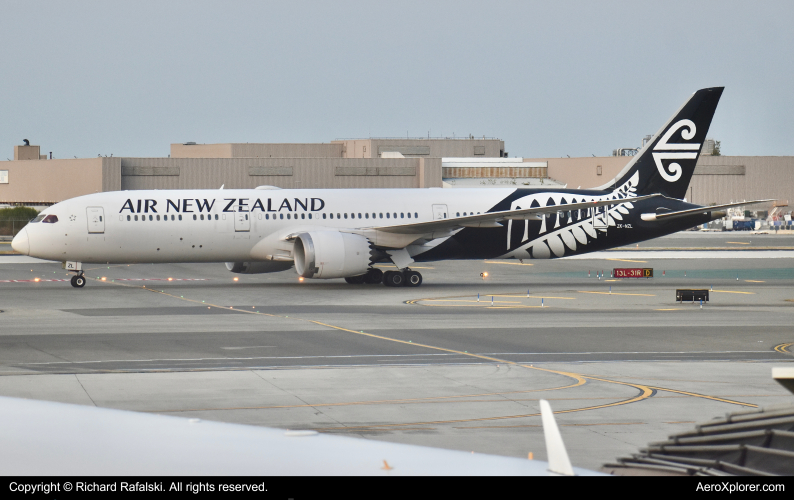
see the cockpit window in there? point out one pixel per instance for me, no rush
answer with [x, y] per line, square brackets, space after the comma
[50, 219]
[38, 218]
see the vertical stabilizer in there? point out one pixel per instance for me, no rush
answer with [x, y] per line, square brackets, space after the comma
[666, 163]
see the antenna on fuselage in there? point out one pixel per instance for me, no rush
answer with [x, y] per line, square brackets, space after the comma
[222, 185]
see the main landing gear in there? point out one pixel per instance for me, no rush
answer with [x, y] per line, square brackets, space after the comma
[78, 280]
[405, 277]
[372, 277]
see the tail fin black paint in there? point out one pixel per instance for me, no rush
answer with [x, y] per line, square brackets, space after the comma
[666, 163]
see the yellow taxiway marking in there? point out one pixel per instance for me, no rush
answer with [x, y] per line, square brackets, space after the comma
[738, 242]
[732, 291]
[540, 425]
[627, 260]
[753, 281]
[521, 295]
[784, 348]
[475, 301]
[395, 267]
[518, 307]
[645, 391]
[704, 396]
[507, 263]
[617, 293]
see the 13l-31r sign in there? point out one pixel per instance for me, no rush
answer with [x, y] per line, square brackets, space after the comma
[627, 272]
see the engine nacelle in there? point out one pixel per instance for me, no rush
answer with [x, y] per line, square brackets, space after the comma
[257, 267]
[331, 254]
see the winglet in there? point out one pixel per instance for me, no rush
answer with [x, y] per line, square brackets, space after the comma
[559, 463]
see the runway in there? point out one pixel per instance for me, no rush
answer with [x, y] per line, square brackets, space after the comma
[458, 363]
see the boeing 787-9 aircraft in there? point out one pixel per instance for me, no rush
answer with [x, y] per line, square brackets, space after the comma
[342, 233]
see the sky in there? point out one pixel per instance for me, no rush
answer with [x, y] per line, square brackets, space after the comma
[549, 78]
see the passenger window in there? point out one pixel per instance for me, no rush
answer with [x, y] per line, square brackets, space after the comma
[402, 215]
[303, 216]
[332, 216]
[457, 214]
[366, 216]
[310, 216]
[387, 215]
[180, 216]
[267, 216]
[345, 216]
[409, 215]
[416, 215]
[338, 216]
[194, 216]
[136, 217]
[281, 216]
[323, 216]
[395, 215]
[128, 218]
[381, 216]
[158, 217]
[201, 216]
[288, 216]
[216, 216]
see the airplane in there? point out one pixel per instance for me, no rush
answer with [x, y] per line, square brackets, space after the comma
[44, 438]
[343, 233]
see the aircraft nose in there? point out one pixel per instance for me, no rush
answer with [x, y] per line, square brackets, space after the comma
[21, 243]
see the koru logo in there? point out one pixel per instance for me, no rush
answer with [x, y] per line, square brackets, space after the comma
[675, 151]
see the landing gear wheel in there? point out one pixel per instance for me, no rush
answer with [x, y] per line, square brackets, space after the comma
[356, 280]
[373, 277]
[413, 278]
[78, 281]
[393, 278]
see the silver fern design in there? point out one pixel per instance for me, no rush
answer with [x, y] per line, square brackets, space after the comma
[570, 230]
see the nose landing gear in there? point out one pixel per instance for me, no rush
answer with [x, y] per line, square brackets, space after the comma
[78, 281]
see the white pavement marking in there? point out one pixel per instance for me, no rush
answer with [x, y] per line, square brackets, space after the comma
[686, 254]
[375, 356]
[24, 259]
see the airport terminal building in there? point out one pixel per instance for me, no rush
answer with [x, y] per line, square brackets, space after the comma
[36, 179]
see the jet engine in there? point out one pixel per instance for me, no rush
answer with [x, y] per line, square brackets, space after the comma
[258, 267]
[331, 254]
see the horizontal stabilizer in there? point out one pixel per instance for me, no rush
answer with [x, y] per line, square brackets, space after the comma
[696, 211]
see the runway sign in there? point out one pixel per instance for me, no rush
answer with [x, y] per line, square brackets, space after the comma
[628, 272]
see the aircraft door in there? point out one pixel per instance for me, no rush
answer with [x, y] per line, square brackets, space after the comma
[440, 212]
[242, 221]
[96, 219]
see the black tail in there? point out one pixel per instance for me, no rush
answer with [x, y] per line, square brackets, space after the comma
[666, 163]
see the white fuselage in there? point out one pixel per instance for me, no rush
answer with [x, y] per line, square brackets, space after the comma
[237, 224]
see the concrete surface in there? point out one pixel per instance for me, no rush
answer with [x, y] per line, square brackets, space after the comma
[429, 365]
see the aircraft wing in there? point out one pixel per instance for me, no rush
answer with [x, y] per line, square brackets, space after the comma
[491, 219]
[42, 438]
[694, 211]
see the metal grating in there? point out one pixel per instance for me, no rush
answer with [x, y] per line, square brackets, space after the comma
[756, 443]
